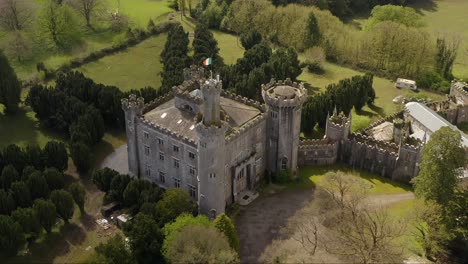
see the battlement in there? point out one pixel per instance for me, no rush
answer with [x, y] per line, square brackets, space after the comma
[339, 121]
[460, 87]
[244, 100]
[312, 143]
[252, 123]
[372, 142]
[284, 93]
[184, 91]
[388, 118]
[156, 102]
[168, 132]
[212, 130]
[194, 73]
[212, 85]
[133, 102]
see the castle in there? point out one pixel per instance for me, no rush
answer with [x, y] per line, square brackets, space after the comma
[218, 145]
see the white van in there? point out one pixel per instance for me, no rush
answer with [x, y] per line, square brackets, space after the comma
[404, 83]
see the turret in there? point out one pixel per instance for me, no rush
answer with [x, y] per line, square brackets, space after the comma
[284, 101]
[211, 132]
[133, 108]
[338, 126]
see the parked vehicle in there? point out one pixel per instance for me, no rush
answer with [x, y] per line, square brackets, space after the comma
[405, 83]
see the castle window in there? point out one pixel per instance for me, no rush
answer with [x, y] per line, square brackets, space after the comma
[193, 191]
[284, 163]
[274, 114]
[203, 145]
[176, 182]
[176, 163]
[160, 141]
[175, 148]
[240, 175]
[147, 150]
[145, 135]
[192, 170]
[162, 177]
[212, 175]
[147, 170]
[161, 155]
[191, 155]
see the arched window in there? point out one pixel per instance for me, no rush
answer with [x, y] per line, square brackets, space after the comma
[284, 163]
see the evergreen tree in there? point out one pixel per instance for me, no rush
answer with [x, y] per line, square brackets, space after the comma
[79, 195]
[21, 194]
[313, 32]
[63, 201]
[174, 58]
[81, 155]
[11, 236]
[285, 64]
[46, 212]
[224, 225]
[27, 219]
[250, 39]
[55, 155]
[54, 178]
[9, 175]
[10, 86]
[7, 202]
[38, 185]
[205, 46]
[145, 239]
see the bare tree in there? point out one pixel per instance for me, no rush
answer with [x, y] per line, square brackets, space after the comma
[89, 8]
[16, 14]
[306, 234]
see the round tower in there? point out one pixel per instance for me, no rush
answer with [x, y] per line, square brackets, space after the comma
[133, 108]
[211, 132]
[284, 101]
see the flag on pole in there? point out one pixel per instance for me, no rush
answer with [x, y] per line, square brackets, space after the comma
[208, 62]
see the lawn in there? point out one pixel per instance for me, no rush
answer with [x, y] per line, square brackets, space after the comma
[133, 68]
[310, 176]
[140, 11]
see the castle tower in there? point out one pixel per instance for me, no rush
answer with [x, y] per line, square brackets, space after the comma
[211, 152]
[338, 126]
[284, 101]
[133, 108]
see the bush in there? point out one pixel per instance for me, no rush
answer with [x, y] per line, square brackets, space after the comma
[433, 81]
[314, 58]
[282, 177]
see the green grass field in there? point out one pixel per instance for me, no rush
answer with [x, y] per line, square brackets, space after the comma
[314, 175]
[135, 67]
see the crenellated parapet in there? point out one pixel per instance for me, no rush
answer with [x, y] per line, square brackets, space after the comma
[460, 87]
[241, 130]
[313, 143]
[284, 93]
[244, 100]
[157, 102]
[133, 103]
[374, 143]
[184, 91]
[388, 118]
[194, 73]
[168, 132]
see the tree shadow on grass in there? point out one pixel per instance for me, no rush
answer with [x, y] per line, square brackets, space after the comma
[425, 5]
[366, 113]
[88, 222]
[379, 110]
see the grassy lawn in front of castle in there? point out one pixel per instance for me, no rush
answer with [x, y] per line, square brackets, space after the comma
[313, 176]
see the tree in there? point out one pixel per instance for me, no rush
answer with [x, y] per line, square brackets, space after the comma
[55, 155]
[34, 156]
[10, 86]
[81, 156]
[200, 244]
[225, 225]
[9, 175]
[11, 236]
[13, 155]
[442, 158]
[79, 195]
[145, 239]
[54, 178]
[27, 219]
[21, 194]
[184, 220]
[205, 46]
[174, 57]
[58, 26]
[46, 212]
[115, 251]
[313, 32]
[250, 39]
[89, 9]
[285, 64]
[103, 177]
[173, 203]
[38, 185]
[446, 55]
[63, 201]
[7, 202]
[398, 14]
[117, 187]
[15, 15]
[18, 45]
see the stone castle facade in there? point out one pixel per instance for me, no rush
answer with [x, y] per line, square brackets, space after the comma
[218, 145]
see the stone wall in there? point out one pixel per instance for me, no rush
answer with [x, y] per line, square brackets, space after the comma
[318, 152]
